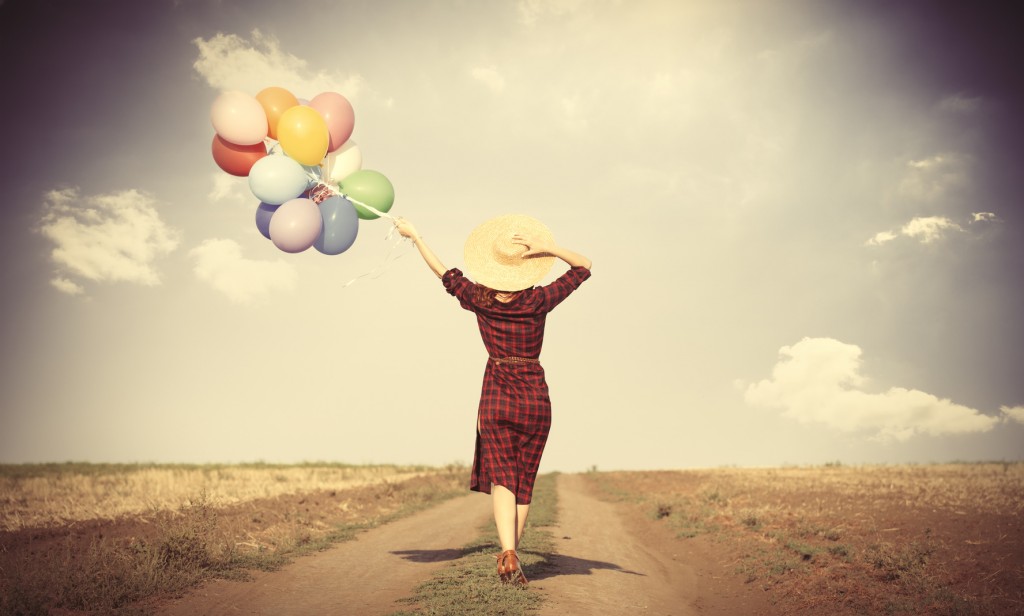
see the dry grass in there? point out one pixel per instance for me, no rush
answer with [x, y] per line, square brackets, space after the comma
[56, 494]
[122, 564]
[974, 488]
[930, 539]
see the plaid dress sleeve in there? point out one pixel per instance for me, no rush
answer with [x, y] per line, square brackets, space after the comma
[554, 293]
[458, 285]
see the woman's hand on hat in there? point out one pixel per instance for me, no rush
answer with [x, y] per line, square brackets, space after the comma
[533, 246]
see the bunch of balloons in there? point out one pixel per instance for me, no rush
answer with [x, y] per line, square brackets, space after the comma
[301, 165]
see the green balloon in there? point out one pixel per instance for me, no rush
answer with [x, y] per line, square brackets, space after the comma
[371, 188]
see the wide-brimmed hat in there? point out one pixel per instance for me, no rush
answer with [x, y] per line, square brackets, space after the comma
[494, 261]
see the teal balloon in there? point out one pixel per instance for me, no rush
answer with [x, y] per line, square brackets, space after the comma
[276, 179]
[341, 225]
[371, 188]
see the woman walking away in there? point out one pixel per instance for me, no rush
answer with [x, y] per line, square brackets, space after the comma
[507, 256]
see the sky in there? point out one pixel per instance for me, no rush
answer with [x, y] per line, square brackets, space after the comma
[804, 217]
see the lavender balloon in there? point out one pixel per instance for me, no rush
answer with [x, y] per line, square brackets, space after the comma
[263, 214]
[295, 225]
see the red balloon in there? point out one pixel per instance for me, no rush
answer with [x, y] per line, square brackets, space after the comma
[236, 159]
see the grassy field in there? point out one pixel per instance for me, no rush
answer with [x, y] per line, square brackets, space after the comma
[34, 495]
[111, 539]
[929, 539]
[842, 540]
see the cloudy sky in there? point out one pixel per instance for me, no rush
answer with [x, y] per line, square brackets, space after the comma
[805, 221]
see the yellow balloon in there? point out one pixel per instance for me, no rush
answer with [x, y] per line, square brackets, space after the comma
[303, 135]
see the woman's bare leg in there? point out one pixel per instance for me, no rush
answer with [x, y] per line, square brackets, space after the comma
[505, 514]
[521, 512]
[509, 517]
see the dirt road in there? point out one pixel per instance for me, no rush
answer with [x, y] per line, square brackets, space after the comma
[611, 560]
[362, 577]
[608, 565]
[615, 559]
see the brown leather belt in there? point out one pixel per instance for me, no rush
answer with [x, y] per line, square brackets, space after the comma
[516, 360]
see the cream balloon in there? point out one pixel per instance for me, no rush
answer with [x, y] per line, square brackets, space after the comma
[239, 118]
[344, 161]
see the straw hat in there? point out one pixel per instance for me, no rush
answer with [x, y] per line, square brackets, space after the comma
[494, 261]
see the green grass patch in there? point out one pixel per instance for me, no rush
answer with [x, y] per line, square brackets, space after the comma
[806, 551]
[470, 586]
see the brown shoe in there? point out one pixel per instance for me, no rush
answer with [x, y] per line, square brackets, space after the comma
[509, 569]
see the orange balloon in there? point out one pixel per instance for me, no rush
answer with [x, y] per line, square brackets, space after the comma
[275, 101]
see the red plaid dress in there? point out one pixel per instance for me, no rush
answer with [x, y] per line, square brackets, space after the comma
[515, 412]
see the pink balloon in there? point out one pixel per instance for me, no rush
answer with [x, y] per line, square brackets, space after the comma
[295, 225]
[338, 113]
[239, 118]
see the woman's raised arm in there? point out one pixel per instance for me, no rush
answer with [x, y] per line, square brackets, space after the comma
[407, 229]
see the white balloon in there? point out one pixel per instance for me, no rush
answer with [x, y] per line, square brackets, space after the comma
[345, 161]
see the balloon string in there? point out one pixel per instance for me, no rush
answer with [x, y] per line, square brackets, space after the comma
[371, 208]
[388, 260]
[376, 272]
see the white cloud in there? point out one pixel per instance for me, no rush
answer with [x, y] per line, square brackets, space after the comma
[932, 179]
[1015, 413]
[490, 77]
[220, 264]
[67, 286]
[929, 229]
[818, 380]
[925, 229]
[105, 238]
[229, 62]
[228, 188]
[882, 237]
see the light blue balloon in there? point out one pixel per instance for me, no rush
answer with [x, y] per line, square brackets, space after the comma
[276, 179]
[341, 225]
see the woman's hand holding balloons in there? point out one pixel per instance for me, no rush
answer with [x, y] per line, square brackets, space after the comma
[406, 229]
